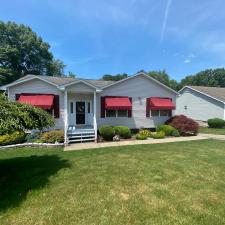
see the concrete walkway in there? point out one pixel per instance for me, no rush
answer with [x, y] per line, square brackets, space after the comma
[213, 136]
[92, 145]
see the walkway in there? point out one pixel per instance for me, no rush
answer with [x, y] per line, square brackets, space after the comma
[82, 146]
[213, 136]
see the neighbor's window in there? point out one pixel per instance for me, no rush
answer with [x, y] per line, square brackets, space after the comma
[110, 113]
[165, 112]
[154, 113]
[122, 113]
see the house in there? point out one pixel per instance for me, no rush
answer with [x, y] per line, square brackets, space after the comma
[81, 106]
[201, 103]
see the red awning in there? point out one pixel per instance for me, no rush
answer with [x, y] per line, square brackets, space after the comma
[122, 103]
[42, 101]
[161, 103]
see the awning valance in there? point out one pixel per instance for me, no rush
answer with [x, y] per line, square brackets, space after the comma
[161, 103]
[42, 101]
[118, 103]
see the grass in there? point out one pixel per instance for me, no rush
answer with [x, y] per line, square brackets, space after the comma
[207, 130]
[176, 183]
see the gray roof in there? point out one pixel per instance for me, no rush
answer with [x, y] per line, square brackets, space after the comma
[215, 92]
[60, 81]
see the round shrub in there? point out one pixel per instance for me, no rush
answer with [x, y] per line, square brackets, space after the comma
[123, 131]
[52, 136]
[216, 123]
[186, 126]
[145, 132]
[158, 135]
[167, 129]
[107, 132]
[141, 136]
[175, 133]
[16, 137]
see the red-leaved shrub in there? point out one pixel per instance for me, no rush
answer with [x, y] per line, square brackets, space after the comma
[186, 126]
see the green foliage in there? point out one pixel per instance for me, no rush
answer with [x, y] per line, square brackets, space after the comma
[216, 123]
[175, 133]
[140, 136]
[15, 116]
[145, 132]
[13, 138]
[158, 135]
[52, 136]
[32, 137]
[23, 52]
[117, 77]
[123, 131]
[107, 132]
[167, 129]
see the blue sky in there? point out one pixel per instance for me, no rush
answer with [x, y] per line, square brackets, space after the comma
[95, 37]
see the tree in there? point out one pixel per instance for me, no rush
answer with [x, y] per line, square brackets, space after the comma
[71, 74]
[22, 52]
[116, 77]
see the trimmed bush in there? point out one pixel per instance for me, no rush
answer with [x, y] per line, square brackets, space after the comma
[123, 131]
[33, 137]
[107, 132]
[145, 132]
[52, 136]
[216, 123]
[158, 135]
[141, 136]
[16, 137]
[167, 129]
[186, 126]
[175, 133]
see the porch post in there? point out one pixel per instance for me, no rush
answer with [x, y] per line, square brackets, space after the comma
[94, 116]
[65, 117]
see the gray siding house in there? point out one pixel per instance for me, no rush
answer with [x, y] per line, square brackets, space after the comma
[201, 103]
[81, 106]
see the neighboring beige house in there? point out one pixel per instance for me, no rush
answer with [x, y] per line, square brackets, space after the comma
[201, 103]
[81, 106]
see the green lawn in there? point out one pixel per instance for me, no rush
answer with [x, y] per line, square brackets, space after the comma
[207, 130]
[176, 183]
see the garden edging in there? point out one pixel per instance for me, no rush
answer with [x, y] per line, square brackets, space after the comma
[31, 145]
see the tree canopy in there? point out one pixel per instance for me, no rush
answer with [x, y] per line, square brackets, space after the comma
[22, 52]
[116, 77]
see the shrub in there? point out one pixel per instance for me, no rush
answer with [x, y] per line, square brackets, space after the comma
[141, 136]
[175, 133]
[52, 136]
[16, 137]
[123, 131]
[32, 137]
[216, 123]
[167, 129]
[145, 132]
[186, 126]
[107, 132]
[158, 135]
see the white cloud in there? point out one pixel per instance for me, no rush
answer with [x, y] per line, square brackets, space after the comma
[187, 61]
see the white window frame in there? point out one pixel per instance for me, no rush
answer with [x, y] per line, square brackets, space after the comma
[117, 114]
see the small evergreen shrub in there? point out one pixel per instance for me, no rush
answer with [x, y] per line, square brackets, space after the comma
[167, 129]
[52, 136]
[107, 132]
[216, 123]
[32, 137]
[123, 131]
[158, 135]
[141, 136]
[186, 126]
[175, 133]
[145, 132]
[16, 137]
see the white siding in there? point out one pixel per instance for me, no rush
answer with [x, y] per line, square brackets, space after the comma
[38, 86]
[139, 88]
[199, 106]
[79, 87]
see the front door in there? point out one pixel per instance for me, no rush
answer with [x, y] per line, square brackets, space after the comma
[80, 112]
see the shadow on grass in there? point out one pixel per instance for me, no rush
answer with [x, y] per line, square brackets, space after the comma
[20, 175]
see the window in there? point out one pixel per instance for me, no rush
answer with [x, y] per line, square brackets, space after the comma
[71, 107]
[122, 113]
[110, 113]
[154, 113]
[165, 113]
[89, 107]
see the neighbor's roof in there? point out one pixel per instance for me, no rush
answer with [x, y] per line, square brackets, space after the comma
[60, 81]
[215, 92]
